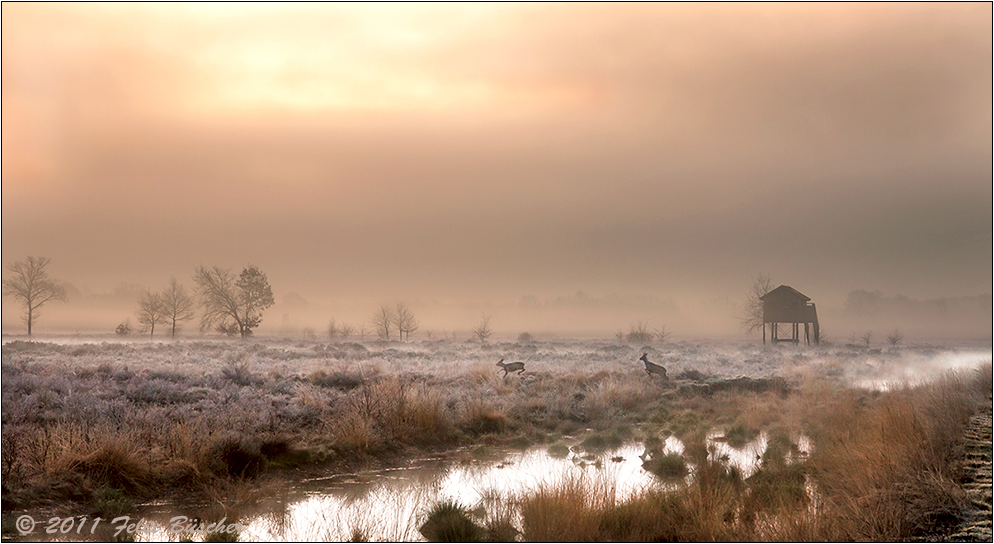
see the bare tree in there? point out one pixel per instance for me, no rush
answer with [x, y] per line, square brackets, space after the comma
[232, 306]
[895, 337]
[346, 330]
[662, 335]
[151, 312]
[177, 305]
[867, 336]
[404, 321]
[483, 331]
[752, 316]
[30, 284]
[383, 321]
[333, 330]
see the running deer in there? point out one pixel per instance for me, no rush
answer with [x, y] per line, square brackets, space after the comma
[652, 368]
[518, 367]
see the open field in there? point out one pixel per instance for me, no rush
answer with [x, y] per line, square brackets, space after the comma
[98, 427]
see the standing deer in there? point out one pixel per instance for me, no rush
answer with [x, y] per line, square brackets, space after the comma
[652, 368]
[518, 367]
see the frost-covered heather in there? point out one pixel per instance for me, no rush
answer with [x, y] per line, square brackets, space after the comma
[144, 416]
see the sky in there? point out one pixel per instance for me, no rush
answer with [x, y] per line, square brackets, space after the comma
[477, 155]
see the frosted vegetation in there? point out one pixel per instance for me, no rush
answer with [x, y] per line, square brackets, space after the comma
[105, 426]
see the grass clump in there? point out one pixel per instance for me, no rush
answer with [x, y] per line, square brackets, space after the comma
[558, 450]
[236, 457]
[670, 466]
[336, 380]
[599, 442]
[739, 435]
[109, 503]
[447, 521]
[482, 418]
[221, 536]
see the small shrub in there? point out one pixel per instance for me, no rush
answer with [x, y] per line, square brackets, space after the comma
[124, 329]
[239, 373]
[639, 333]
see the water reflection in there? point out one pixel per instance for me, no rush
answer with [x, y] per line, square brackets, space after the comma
[390, 508]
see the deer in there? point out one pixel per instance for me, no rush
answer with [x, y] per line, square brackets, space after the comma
[518, 367]
[653, 368]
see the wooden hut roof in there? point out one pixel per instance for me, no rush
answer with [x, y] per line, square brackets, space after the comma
[785, 291]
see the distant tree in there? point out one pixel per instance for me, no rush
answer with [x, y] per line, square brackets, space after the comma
[526, 337]
[232, 306]
[346, 330]
[867, 336]
[383, 321]
[662, 335]
[639, 333]
[483, 330]
[752, 316]
[151, 312]
[177, 305]
[333, 330]
[895, 337]
[404, 322]
[30, 284]
[124, 329]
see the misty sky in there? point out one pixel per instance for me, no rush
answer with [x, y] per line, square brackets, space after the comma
[489, 151]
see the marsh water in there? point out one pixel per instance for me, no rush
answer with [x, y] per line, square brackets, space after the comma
[391, 504]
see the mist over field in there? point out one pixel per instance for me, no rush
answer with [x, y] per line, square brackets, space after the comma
[568, 169]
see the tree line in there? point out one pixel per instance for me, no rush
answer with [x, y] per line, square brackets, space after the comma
[230, 304]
